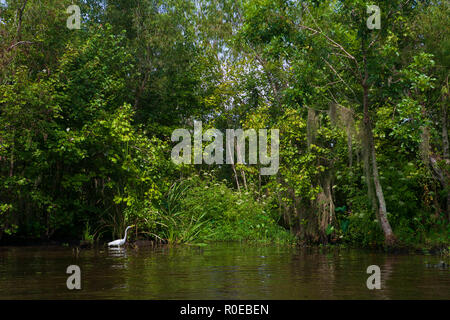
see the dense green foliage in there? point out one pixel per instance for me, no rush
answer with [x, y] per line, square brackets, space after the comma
[86, 118]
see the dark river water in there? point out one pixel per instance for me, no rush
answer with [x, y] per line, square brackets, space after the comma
[218, 271]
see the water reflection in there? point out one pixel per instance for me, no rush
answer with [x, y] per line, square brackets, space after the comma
[117, 252]
[218, 271]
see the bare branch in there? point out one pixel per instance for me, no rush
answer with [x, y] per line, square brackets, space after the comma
[337, 74]
[19, 25]
[19, 43]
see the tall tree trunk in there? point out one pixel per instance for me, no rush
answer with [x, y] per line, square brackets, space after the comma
[366, 161]
[382, 211]
[350, 149]
[445, 132]
[441, 176]
[444, 126]
[240, 156]
[445, 145]
[233, 167]
[259, 184]
[244, 179]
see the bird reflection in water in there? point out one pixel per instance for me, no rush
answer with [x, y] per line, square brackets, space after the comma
[117, 252]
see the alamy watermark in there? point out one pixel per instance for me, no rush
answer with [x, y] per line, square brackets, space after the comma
[74, 20]
[374, 281]
[374, 21]
[235, 140]
[74, 280]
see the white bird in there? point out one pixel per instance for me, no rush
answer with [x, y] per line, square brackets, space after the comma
[120, 242]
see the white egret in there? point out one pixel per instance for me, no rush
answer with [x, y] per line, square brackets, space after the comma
[120, 242]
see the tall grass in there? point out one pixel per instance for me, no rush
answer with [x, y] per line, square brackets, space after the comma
[177, 226]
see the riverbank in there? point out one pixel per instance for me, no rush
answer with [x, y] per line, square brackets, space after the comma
[442, 250]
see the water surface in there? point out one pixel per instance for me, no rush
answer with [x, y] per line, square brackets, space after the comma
[217, 271]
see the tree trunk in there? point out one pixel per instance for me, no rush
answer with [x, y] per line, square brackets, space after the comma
[389, 236]
[445, 145]
[366, 160]
[259, 184]
[234, 168]
[240, 156]
[382, 212]
[244, 179]
[440, 175]
[350, 149]
[444, 128]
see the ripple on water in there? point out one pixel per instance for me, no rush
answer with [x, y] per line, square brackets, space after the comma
[218, 271]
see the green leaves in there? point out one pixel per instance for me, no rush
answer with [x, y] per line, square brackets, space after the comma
[86, 117]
